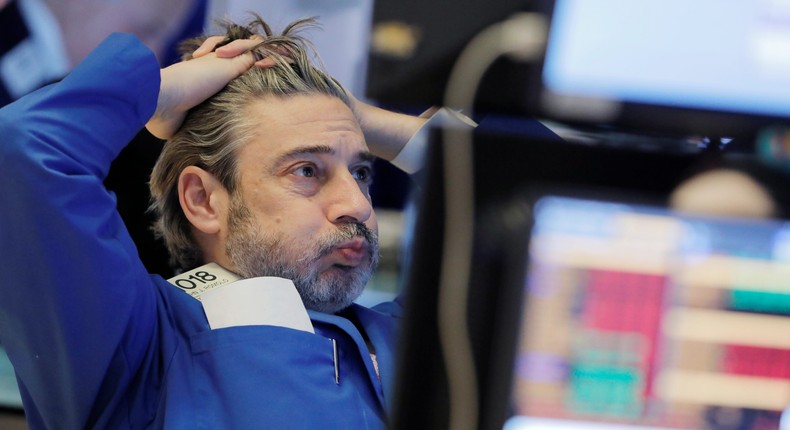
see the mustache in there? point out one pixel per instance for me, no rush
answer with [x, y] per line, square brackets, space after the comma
[346, 232]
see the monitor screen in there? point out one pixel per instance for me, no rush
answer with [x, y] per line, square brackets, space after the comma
[727, 58]
[635, 317]
[506, 168]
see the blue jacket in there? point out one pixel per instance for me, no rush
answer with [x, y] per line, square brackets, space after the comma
[96, 341]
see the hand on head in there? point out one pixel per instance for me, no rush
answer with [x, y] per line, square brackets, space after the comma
[237, 47]
[186, 84]
[213, 62]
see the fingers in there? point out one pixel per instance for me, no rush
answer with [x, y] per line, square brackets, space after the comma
[265, 63]
[232, 49]
[238, 47]
[268, 61]
[207, 46]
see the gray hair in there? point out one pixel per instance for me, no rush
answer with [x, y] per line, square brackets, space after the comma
[214, 131]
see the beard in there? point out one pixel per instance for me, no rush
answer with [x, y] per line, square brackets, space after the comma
[256, 253]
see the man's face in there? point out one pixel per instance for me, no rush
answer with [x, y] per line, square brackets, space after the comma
[303, 209]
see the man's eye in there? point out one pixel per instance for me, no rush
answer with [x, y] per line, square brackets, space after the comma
[306, 171]
[363, 174]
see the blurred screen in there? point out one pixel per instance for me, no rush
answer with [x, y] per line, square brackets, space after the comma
[635, 318]
[731, 56]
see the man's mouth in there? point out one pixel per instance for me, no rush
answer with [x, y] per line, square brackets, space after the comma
[351, 253]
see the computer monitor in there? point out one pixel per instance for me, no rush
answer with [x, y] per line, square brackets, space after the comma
[636, 317]
[573, 194]
[702, 67]
[658, 67]
[598, 171]
[503, 166]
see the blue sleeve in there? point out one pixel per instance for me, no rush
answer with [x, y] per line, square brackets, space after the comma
[77, 310]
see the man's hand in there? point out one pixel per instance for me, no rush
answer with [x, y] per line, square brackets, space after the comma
[385, 132]
[186, 84]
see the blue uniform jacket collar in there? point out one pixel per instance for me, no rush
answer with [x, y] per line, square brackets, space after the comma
[381, 330]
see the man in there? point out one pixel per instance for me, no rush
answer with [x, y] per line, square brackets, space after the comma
[98, 343]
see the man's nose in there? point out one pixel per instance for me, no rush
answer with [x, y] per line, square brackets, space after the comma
[347, 201]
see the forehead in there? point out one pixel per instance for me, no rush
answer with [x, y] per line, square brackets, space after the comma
[282, 124]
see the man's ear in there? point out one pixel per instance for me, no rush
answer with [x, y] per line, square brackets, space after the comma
[203, 199]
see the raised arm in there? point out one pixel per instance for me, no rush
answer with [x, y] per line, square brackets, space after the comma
[77, 308]
[74, 297]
